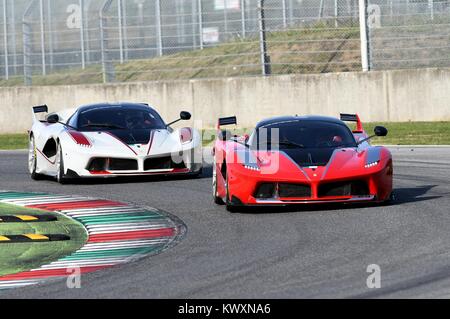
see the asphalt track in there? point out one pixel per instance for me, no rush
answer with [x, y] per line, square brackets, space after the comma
[286, 253]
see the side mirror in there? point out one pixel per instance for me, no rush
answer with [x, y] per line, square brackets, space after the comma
[185, 116]
[52, 118]
[381, 131]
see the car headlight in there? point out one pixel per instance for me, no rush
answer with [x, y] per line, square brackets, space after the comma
[373, 164]
[252, 167]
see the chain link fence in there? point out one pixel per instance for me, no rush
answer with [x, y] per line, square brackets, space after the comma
[409, 33]
[90, 41]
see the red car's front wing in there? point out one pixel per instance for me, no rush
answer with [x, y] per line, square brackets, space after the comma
[243, 183]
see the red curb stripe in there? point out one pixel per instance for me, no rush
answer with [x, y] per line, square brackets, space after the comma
[62, 272]
[145, 234]
[77, 205]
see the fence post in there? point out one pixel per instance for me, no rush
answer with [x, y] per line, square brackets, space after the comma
[50, 36]
[27, 46]
[431, 7]
[225, 19]
[87, 37]
[200, 22]
[243, 22]
[321, 9]
[336, 13]
[119, 16]
[13, 38]
[41, 17]
[291, 12]
[5, 39]
[365, 54]
[140, 4]
[107, 66]
[284, 8]
[83, 58]
[159, 27]
[193, 23]
[265, 59]
[125, 31]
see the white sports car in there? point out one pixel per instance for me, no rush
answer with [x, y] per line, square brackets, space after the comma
[106, 140]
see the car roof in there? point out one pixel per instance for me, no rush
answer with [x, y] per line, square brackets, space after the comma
[309, 118]
[125, 105]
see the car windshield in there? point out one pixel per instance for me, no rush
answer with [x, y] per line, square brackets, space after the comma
[303, 134]
[119, 118]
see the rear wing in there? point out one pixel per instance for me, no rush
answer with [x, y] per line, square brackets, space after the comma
[227, 121]
[39, 109]
[353, 118]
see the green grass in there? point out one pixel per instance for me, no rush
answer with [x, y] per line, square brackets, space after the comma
[13, 141]
[15, 258]
[413, 133]
[408, 133]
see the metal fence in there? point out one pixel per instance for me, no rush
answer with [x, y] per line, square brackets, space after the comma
[409, 33]
[86, 41]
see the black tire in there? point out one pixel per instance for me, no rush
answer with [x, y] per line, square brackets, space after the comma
[217, 200]
[60, 177]
[32, 159]
[390, 200]
[230, 207]
[197, 174]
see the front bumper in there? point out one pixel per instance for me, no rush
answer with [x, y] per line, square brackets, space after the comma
[354, 199]
[243, 186]
[79, 165]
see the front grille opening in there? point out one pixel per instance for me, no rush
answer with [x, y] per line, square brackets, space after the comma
[162, 163]
[265, 191]
[282, 190]
[293, 190]
[352, 188]
[112, 164]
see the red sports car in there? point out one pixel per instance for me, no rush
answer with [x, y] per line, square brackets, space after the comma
[300, 160]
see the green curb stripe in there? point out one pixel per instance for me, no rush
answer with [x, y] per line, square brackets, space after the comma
[106, 220]
[124, 215]
[115, 233]
[126, 252]
[13, 195]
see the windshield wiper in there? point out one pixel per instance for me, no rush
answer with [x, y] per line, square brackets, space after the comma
[290, 143]
[345, 145]
[105, 125]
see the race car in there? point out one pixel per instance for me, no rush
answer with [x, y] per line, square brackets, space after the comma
[300, 160]
[110, 140]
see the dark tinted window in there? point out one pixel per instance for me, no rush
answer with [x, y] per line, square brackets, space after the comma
[304, 134]
[110, 118]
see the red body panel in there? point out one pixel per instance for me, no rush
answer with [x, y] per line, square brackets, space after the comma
[347, 164]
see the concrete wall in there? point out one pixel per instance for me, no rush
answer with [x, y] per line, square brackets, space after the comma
[403, 95]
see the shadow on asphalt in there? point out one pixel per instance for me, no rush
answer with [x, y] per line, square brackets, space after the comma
[206, 174]
[402, 196]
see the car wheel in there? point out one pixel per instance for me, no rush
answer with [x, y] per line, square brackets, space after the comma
[60, 176]
[217, 200]
[32, 159]
[197, 174]
[390, 200]
[230, 207]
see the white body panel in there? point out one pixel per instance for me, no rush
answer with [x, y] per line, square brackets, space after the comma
[77, 157]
